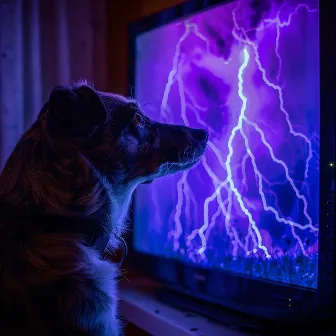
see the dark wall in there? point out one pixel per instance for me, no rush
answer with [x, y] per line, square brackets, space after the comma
[118, 17]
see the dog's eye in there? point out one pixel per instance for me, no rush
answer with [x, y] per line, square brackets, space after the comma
[138, 119]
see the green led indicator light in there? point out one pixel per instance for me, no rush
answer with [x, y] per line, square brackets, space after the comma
[331, 164]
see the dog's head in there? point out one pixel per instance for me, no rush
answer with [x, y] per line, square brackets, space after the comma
[84, 156]
[117, 138]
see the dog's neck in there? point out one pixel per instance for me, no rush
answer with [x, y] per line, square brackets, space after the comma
[70, 188]
[119, 197]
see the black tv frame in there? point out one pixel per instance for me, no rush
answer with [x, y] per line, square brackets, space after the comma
[260, 298]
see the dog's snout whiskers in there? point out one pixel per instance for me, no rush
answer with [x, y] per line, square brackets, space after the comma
[184, 155]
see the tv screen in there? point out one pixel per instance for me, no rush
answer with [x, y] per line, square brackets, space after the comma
[248, 72]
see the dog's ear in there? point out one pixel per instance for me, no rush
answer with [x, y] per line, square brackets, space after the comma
[75, 112]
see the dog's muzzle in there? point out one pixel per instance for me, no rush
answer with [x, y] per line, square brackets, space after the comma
[182, 145]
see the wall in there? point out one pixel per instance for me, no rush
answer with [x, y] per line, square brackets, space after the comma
[148, 7]
[119, 15]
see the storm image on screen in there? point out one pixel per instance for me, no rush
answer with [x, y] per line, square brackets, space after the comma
[248, 72]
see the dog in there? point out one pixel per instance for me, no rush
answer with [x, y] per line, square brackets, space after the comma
[65, 192]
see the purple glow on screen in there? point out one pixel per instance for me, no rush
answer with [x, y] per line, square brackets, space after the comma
[250, 76]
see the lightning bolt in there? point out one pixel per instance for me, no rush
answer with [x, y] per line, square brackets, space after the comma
[274, 86]
[229, 196]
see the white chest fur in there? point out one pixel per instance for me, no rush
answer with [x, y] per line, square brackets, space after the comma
[106, 275]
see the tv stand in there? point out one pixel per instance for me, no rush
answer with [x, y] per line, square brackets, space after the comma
[141, 307]
[229, 318]
[159, 311]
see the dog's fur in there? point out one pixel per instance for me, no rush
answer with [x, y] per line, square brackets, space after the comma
[64, 194]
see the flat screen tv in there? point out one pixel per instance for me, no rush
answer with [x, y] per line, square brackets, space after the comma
[251, 227]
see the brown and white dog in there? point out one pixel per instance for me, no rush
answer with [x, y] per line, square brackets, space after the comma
[65, 192]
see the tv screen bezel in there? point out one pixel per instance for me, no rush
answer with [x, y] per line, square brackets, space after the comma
[233, 290]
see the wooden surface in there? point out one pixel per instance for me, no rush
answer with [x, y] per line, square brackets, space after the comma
[119, 15]
[133, 330]
[139, 306]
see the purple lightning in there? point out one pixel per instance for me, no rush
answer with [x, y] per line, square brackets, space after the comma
[277, 88]
[253, 241]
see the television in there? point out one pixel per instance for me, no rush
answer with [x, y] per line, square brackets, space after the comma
[250, 228]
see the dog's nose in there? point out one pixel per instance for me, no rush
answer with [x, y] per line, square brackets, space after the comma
[201, 135]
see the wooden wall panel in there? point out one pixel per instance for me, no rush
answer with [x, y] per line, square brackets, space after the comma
[148, 7]
[119, 14]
